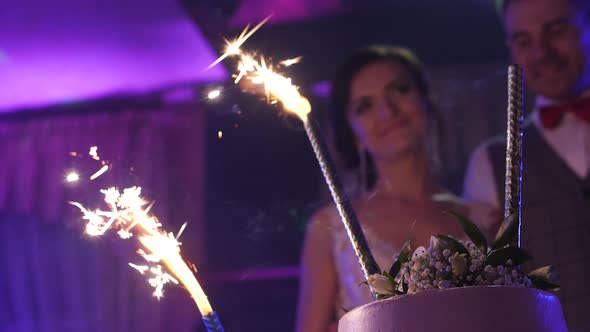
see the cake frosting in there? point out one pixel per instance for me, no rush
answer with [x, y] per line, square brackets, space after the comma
[481, 308]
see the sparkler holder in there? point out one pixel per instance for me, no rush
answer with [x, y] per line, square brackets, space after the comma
[513, 178]
[212, 322]
[343, 204]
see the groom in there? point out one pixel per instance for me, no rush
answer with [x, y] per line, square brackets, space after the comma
[551, 39]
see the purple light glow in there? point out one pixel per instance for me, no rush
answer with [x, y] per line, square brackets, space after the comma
[322, 89]
[250, 11]
[64, 50]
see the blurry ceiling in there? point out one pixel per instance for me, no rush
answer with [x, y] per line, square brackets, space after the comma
[68, 50]
[61, 51]
[324, 32]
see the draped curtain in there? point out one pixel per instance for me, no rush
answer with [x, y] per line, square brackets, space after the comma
[55, 278]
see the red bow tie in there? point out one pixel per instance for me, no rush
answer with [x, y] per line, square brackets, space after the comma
[551, 115]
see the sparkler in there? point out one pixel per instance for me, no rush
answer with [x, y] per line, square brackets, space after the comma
[513, 185]
[278, 88]
[128, 213]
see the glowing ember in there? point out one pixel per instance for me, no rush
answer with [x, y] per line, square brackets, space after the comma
[129, 214]
[94, 152]
[72, 177]
[214, 94]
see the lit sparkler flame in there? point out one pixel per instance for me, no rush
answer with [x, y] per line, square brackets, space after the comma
[129, 214]
[276, 86]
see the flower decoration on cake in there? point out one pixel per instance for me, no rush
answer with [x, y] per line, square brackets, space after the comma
[450, 263]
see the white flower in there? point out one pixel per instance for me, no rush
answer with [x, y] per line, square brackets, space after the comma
[446, 252]
[420, 251]
[380, 284]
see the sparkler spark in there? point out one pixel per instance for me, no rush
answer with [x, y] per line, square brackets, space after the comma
[140, 268]
[290, 62]
[100, 172]
[233, 47]
[129, 214]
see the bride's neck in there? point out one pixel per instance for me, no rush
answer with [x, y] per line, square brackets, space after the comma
[409, 179]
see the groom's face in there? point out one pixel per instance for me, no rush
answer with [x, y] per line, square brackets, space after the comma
[550, 40]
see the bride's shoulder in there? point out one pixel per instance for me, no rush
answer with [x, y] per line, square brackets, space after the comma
[323, 220]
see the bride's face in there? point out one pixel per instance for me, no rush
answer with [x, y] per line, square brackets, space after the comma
[387, 112]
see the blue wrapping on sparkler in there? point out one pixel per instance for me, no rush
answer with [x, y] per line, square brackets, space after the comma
[212, 322]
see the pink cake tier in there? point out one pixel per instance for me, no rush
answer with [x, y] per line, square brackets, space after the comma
[482, 309]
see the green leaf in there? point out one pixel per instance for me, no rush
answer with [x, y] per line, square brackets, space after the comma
[471, 230]
[544, 284]
[450, 243]
[389, 277]
[544, 278]
[403, 257]
[384, 296]
[545, 271]
[507, 233]
[518, 256]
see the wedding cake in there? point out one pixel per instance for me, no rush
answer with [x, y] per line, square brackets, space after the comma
[455, 285]
[477, 308]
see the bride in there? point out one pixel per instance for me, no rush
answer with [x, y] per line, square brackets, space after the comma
[385, 127]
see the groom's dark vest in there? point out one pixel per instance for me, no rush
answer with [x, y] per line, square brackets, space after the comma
[555, 220]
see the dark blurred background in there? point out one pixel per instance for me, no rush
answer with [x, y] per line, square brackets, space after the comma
[129, 78]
